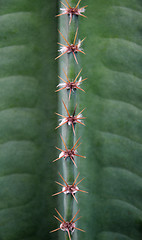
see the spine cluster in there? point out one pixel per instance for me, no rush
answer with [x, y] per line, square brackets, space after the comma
[69, 121]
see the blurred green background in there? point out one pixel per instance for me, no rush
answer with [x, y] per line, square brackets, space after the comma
[111, 140]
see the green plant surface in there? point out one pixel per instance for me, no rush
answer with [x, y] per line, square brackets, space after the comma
[112, 140]
[28, 76]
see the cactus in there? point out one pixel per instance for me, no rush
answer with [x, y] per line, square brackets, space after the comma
[68, 123]
[111, 140]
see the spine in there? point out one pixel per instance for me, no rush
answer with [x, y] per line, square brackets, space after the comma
[70, 116]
